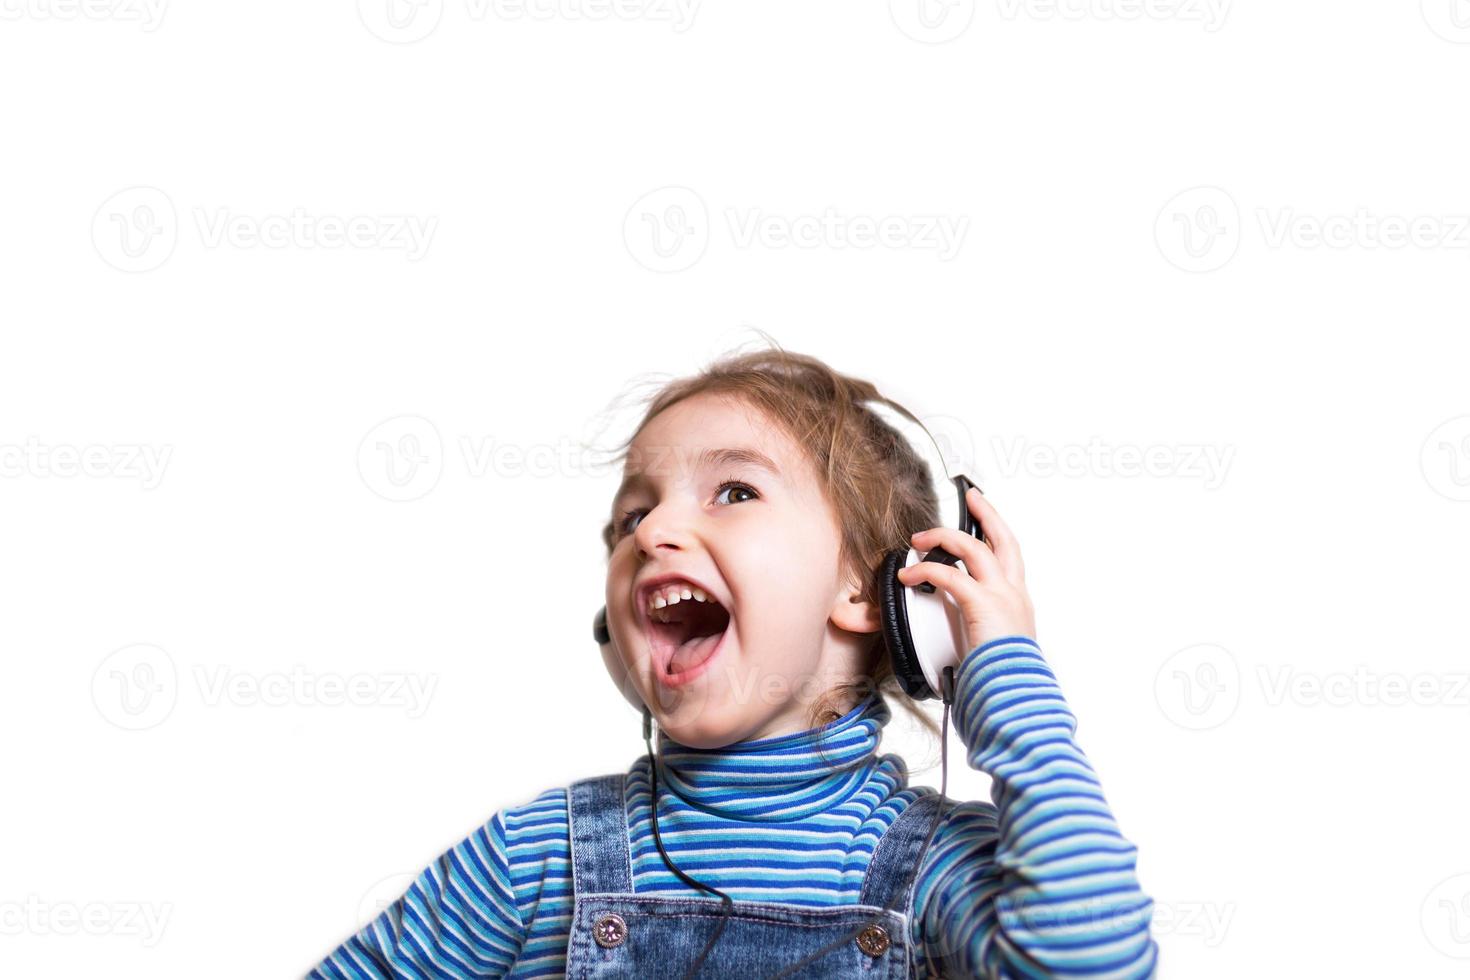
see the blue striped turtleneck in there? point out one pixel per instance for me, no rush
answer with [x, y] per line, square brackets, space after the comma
[783, 778]
[1039, 884]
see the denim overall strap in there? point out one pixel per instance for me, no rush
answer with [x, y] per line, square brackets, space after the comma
[601, 863]
[615, 933]
[892, 867]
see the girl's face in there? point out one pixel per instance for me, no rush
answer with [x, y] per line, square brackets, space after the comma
[714, 493]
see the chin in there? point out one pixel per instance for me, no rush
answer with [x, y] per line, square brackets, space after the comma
[703, 730]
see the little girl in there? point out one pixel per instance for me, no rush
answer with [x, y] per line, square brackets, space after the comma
[764, 495]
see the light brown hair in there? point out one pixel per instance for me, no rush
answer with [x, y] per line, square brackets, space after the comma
[881, 490]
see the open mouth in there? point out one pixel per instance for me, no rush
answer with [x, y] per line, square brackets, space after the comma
[685, 634]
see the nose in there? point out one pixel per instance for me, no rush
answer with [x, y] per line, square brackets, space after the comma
[663, 527]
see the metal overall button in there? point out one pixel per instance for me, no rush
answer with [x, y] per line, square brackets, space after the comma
[609, 930]
[873, 940]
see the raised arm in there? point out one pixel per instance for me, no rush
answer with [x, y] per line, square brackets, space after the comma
[458, 919]
[1041, 884]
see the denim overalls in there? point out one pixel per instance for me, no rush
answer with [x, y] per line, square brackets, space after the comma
[616, 933]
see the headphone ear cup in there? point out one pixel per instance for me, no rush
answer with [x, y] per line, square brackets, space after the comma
[893, 609]
[613, 662]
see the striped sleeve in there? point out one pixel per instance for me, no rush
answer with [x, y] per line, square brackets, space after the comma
[1041, 884]
[458, 919]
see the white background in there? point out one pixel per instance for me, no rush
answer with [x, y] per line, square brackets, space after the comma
[1189, 230]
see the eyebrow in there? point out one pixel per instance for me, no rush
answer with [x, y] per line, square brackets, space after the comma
[709, 457]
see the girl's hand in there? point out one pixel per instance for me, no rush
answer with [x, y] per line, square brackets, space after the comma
[992, 597]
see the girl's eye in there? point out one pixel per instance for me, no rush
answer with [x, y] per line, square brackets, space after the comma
[734, 485]
[622, 529]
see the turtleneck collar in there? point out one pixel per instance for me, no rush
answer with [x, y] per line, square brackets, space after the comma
[780, 778]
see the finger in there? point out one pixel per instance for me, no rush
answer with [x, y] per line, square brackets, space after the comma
[947, 577]
[1002, 541]
[979, 560]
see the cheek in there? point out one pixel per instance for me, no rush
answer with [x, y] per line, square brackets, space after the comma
[619, 582]
[784, 570]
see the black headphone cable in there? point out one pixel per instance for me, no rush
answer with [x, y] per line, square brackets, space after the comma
[947, 683]
[725, 900]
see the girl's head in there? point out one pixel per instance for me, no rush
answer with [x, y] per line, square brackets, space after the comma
[764, 479]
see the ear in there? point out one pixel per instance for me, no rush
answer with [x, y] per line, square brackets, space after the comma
[852, 612]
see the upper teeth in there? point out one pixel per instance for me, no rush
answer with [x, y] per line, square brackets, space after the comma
[667, 595]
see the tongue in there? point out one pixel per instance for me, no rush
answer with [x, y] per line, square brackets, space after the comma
[692, 653]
